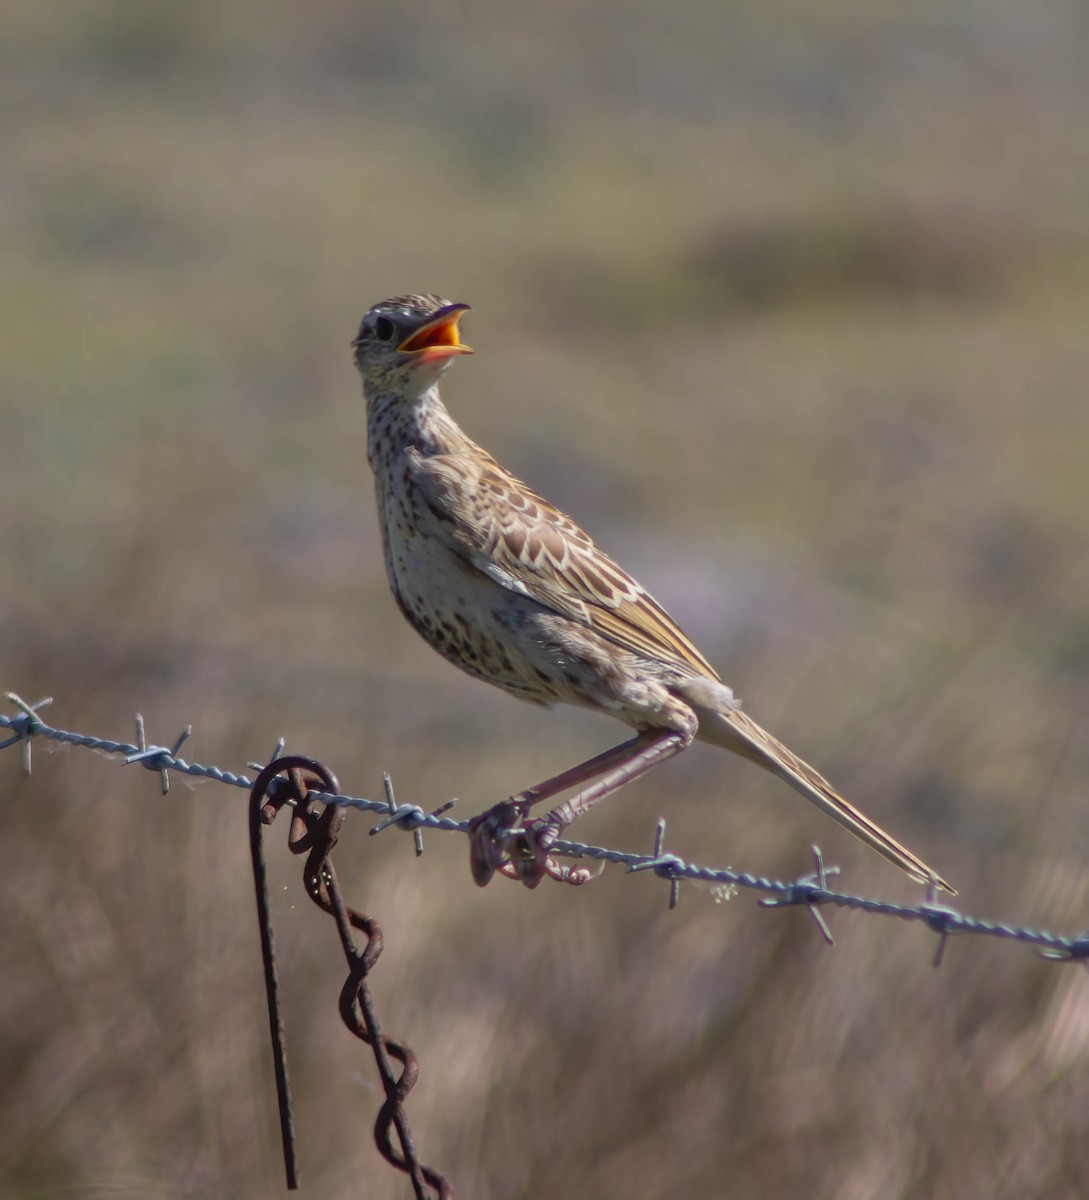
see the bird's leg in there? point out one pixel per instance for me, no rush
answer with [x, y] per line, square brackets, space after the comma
[523, 853]
[530, 858]
[488, 849]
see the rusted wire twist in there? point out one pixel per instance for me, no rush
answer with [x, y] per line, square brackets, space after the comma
[314, 830]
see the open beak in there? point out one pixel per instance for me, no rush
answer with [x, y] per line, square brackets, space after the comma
[438, 338]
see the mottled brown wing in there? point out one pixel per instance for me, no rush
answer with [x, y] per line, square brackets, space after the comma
[518, 539]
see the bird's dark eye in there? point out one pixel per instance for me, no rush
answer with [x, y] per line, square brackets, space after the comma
[384, 329]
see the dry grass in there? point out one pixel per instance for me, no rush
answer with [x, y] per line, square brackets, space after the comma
[788, 306]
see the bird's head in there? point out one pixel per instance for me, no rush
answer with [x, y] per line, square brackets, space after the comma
[406, 343]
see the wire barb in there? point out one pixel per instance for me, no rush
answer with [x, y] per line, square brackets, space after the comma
[809, 890]
[25, 726]
[277, 753]
[665, 866]
[156, 758]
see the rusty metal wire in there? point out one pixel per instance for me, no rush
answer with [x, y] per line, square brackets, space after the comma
[291, 782]
[810, 891]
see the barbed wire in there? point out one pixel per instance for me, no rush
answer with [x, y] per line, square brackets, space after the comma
[810, 891]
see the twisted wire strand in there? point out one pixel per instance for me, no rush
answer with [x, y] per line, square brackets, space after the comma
[811, 890]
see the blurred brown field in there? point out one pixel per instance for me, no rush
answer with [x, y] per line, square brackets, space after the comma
[787, 304]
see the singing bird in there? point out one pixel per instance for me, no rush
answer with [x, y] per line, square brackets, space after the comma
[511, 590]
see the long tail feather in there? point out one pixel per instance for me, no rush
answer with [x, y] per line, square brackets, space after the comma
[734, 730]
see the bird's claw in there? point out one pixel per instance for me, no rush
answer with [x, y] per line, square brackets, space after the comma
[502, 840]
[488, 836]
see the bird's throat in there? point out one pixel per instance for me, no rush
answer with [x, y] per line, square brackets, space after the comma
[396, 422]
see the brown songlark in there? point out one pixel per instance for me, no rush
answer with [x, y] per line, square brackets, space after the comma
[511, 590]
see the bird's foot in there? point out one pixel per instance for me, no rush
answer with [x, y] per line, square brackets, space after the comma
[503, 840]
[489, 835]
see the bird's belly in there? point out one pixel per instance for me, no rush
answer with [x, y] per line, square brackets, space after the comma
[460, 614]
[515, 644]
[512, 641]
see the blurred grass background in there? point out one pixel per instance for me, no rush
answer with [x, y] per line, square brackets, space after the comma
[787, 303]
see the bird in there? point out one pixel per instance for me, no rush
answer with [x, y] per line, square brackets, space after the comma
[511, 590]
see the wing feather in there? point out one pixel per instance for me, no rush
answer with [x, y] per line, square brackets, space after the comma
[521, 541]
